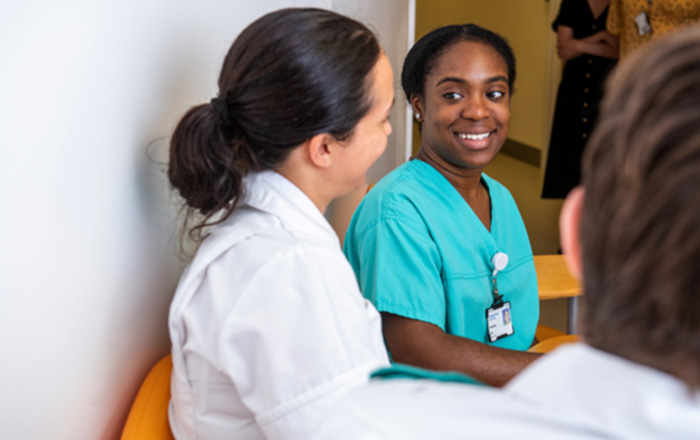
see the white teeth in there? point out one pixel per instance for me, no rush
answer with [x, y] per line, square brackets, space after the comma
[474, 137]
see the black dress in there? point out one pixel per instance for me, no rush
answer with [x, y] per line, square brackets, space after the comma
[577, 102]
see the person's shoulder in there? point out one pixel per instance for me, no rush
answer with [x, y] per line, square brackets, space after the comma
[569, 9]
[412, 181]
[415, 409]
[401, 180]
[235, 256]
[255, 240]
[410, 409]
[392, 196]
[277, 268]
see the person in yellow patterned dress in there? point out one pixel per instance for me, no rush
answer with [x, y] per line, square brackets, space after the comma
[636, 22]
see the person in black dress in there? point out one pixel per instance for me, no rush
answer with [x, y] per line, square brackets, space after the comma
[589, 53]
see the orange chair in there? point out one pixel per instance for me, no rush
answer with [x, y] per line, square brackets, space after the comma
[543, 332]
[550, 344]
[148, 417]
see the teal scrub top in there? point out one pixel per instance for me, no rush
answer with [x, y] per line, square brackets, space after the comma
[419, 251]
[403, 371]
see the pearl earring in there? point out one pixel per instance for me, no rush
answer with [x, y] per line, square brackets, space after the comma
[417, 116]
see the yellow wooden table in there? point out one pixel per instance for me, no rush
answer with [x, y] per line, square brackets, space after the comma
[555, 281]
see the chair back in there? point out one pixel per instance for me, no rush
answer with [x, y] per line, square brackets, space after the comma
[148, 417]
[550, 344]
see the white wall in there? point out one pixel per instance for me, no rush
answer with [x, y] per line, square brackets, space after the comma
[394, 23]
[88, 258]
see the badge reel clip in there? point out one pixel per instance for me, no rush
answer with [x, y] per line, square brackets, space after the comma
[498, 316]
[499, 262]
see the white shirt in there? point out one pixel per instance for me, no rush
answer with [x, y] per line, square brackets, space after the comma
[268, 324]
[575, 392]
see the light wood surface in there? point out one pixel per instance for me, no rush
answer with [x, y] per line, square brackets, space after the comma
[554, 279]
[550, 344]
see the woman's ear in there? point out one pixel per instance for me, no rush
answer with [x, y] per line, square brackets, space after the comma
[319, 149]
[570, 230]
[417, 105]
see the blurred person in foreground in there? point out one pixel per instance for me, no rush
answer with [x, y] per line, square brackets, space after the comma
[630, 232]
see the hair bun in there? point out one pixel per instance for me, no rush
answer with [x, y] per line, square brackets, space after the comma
[221, 106]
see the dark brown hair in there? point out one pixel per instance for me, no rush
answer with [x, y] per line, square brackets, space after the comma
[290, 75]
[640, 228]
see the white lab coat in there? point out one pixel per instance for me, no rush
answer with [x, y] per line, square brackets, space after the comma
[268, 324]
[576, 392]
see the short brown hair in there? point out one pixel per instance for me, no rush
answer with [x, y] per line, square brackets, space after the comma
[640, 227]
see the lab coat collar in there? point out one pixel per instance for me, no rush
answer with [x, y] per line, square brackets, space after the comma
[271, 192]
[628, 399]
[266, 191]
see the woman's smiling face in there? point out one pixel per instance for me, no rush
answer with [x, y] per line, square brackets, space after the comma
[465, 110]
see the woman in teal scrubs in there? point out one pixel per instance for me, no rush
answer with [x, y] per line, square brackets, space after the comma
[427, 242]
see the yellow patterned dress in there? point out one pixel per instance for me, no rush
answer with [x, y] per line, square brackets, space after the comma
[664, 16]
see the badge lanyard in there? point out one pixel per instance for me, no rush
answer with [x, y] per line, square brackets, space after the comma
[642, 21]
[498, 317]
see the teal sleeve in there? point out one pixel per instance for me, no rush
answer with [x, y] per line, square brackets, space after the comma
[399, 269]
[403, 371]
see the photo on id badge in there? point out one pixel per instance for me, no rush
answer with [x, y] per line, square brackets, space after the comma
[499, 321]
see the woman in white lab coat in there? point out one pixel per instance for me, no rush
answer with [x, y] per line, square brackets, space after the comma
[268, 324]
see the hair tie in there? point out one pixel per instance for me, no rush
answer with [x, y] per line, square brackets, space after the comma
[221, 106]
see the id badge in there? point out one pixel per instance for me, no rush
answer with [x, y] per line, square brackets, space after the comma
[642, 22]
[498, 319]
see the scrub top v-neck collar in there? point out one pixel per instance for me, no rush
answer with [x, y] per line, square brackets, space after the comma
[466, 211]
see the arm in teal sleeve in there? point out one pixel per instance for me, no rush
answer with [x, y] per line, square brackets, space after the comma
[398, 266]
